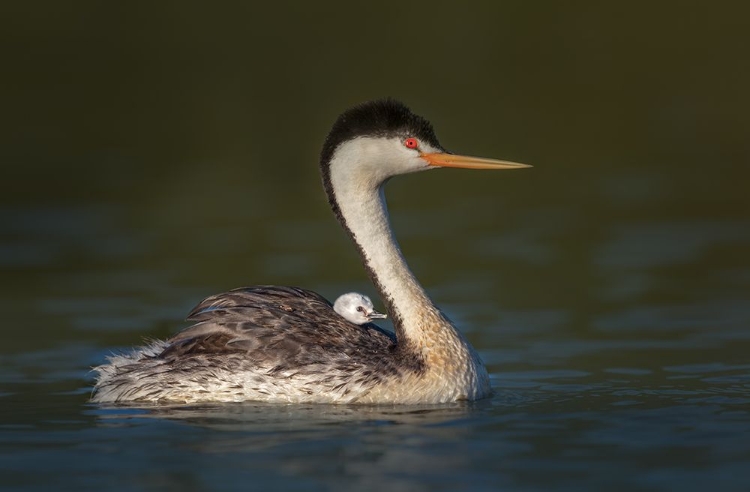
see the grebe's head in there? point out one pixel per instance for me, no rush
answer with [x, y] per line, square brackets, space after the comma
[377, 140]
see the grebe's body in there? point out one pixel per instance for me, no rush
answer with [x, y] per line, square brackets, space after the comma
[285, 344]
[357, 308]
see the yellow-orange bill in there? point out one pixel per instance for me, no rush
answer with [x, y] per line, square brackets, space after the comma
[441, 159]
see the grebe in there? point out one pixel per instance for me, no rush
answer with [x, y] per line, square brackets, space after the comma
[357, 308]
[286, 344]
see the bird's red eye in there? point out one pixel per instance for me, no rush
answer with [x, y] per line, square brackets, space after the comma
[411, 143]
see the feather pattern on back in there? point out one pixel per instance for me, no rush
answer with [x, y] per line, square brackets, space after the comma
[258, 342]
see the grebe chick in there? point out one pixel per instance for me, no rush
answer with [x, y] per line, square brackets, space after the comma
[357, 308]
[288, 345]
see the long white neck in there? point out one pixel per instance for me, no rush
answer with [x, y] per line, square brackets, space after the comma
[358, 195]
[353, 178]
[367, 220]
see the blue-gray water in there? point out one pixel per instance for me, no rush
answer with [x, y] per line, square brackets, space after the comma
[155, 156]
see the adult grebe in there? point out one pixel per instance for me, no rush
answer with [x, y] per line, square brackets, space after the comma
[285, 344]
[357, 308]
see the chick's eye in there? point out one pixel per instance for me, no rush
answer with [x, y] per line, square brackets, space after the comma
[360, 309]
[411, 143]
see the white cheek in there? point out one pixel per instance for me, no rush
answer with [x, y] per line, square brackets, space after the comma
[369, 161]
[398, 159]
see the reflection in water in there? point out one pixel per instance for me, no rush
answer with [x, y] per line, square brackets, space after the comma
[352, 445]
[270, 418]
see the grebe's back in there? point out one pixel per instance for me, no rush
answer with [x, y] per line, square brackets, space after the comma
[262, 342]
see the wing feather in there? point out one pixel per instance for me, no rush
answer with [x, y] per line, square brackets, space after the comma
[275, 326]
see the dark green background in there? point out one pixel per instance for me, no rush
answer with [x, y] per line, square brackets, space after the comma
[154, 153]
